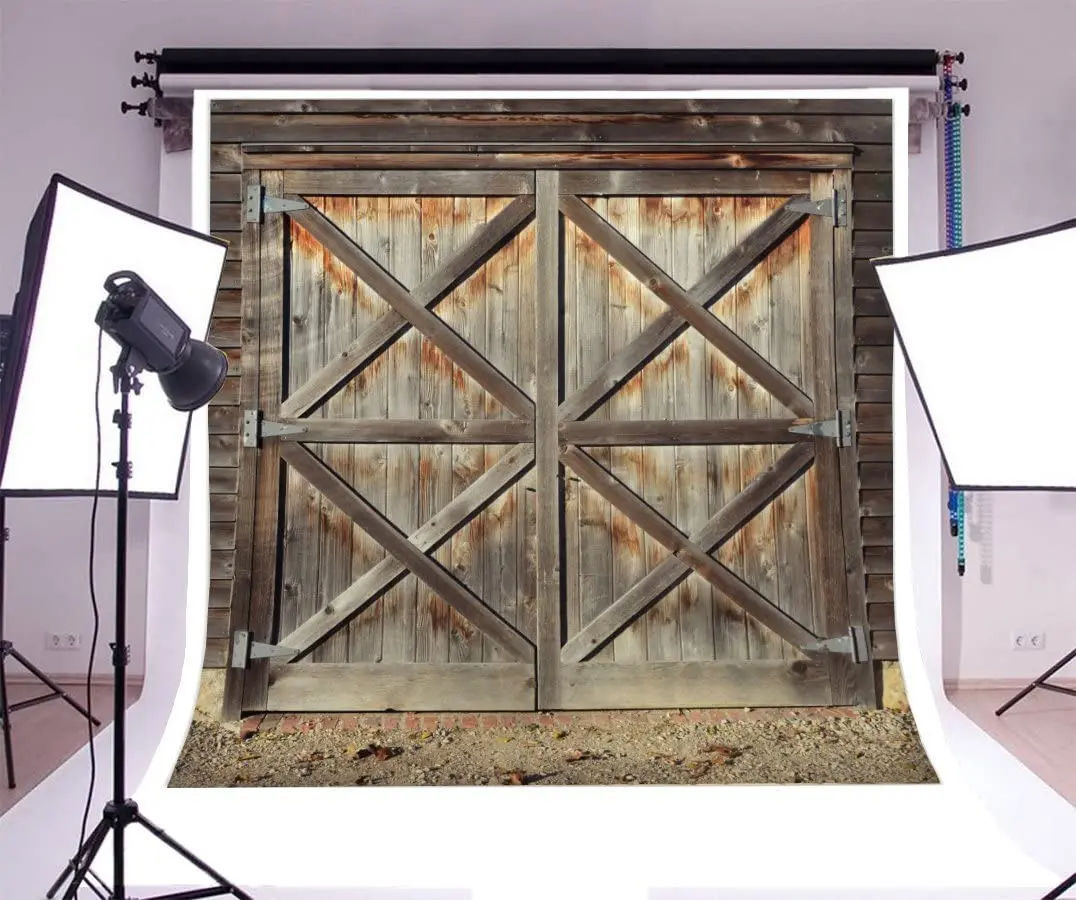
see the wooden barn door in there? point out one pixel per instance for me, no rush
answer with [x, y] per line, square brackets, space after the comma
[702, 544]
[543, 439]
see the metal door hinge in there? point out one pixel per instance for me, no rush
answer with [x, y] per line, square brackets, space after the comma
[853, 644]
[245, 649]
[258, 203]
[256, 427]
[835, 207]
[839, 427]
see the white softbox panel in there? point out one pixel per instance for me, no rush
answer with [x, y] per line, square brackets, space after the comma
[987, 331]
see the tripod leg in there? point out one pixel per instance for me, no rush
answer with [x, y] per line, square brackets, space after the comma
[5, 714]
[190, 857]
[49, 683]
[78, 867]
[1057, 667]
[1060, 890]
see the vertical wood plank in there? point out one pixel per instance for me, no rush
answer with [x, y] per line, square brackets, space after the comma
[302, 503]
[723, 463]
[248, 456]
[825, 529]
[592, 340]
[547, 461]
[689, 379]
[789, 295]
[271, 255]
[500, 580]
[433, 615]
[571, 483]
[859, 678]
[625, 299]
[663, 619]
[468, 318]
[403, 365]
[525, 490]
[753, 324]
[337, 329]
[365, 632]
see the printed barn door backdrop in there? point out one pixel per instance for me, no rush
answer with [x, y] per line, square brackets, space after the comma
[545, 439]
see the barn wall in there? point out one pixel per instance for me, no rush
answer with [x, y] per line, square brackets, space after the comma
[872, 236]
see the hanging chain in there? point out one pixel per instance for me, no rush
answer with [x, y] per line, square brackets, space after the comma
[954, 237]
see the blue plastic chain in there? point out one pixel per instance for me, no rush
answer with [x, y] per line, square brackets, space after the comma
[954, 237]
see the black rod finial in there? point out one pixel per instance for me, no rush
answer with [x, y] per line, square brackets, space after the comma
[141, 108]
[150, 58]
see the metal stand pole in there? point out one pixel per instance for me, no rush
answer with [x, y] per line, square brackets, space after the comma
[121, 811]
[7, 649]
[1042, 682]
[1062, 888]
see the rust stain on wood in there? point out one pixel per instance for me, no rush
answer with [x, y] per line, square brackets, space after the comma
[626, 536]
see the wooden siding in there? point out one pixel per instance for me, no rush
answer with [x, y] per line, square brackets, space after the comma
[281, 135]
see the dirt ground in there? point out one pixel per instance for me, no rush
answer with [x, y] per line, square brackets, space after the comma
[869, 747]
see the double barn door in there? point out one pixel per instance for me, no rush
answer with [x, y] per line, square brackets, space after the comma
[544, 439]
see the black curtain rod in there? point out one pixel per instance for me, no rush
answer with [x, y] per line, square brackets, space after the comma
[508, 61]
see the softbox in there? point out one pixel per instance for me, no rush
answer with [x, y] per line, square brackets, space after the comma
[987, 331]
[48, 418]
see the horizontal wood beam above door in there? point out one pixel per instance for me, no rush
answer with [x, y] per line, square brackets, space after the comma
[574, 127]
[418, 157]
[686, 183]
[412, 182]
[661, 432]
[405, 431]
[416, 687]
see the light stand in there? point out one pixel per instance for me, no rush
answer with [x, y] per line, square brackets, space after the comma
[1042, 682]
[121, 811]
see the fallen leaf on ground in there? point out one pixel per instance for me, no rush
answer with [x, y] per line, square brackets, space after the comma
[383, 753]
[559, 735]
[578, 755]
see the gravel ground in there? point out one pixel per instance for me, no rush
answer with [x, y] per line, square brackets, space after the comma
[871, 747]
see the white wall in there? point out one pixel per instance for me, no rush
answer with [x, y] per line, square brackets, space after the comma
[59, 107]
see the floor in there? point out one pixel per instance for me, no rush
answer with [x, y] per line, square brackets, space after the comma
[1040, 731]
[45, 736]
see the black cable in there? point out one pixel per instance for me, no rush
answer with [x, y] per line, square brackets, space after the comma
[93, 590]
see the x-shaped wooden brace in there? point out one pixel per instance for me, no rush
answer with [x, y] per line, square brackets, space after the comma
[687, 308]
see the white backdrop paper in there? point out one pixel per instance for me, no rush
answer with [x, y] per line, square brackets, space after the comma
[987, 332]
[88, 241]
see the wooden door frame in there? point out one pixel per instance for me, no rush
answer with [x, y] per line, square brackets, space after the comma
[607, 139]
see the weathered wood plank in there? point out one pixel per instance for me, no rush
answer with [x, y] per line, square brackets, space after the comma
[874, 389]
[234, 253]
[216, 653]
[690, 375]
[851, 609]
[226, 333]
[884, 645]
[876, 331]
[723, 461]
[875, 447]
[407, 431]
[880, 589]
[876, 503]
[225, 419]
[873, 186]
[225, 157]
[686, 306]
[881, 616]
[226, 188]
[570, 556]
[552, 105]
[869, 216]
[526, 378]
[222, 536]
[223, 450]
[400, 299]
[225, 217]
[216, 624]
[378, 527]
[231, 276]
[499, 575]
[433, 616]
[877, 531]
[872, 244]
[547, 461]
[220, 595]
[436, 285]
[223, 507]
[416, 687]
[873, 417]
[229, 393]
[223, 480]
[625, 408]
[722, 278]
[410, 182]
[676, 542]
[591, 274]
[656, 685]
[228, 304]
[565, 157]
[752, 315]
[685, 183]
[601, 128]
[874, 360]
[790, 296]
[269, 237]
[870, 302]
[876, 476]
[221, 564]
[878, 560]
[864, 274]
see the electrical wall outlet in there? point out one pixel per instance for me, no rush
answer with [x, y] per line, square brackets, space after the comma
[63, 641]
[1029, 640]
